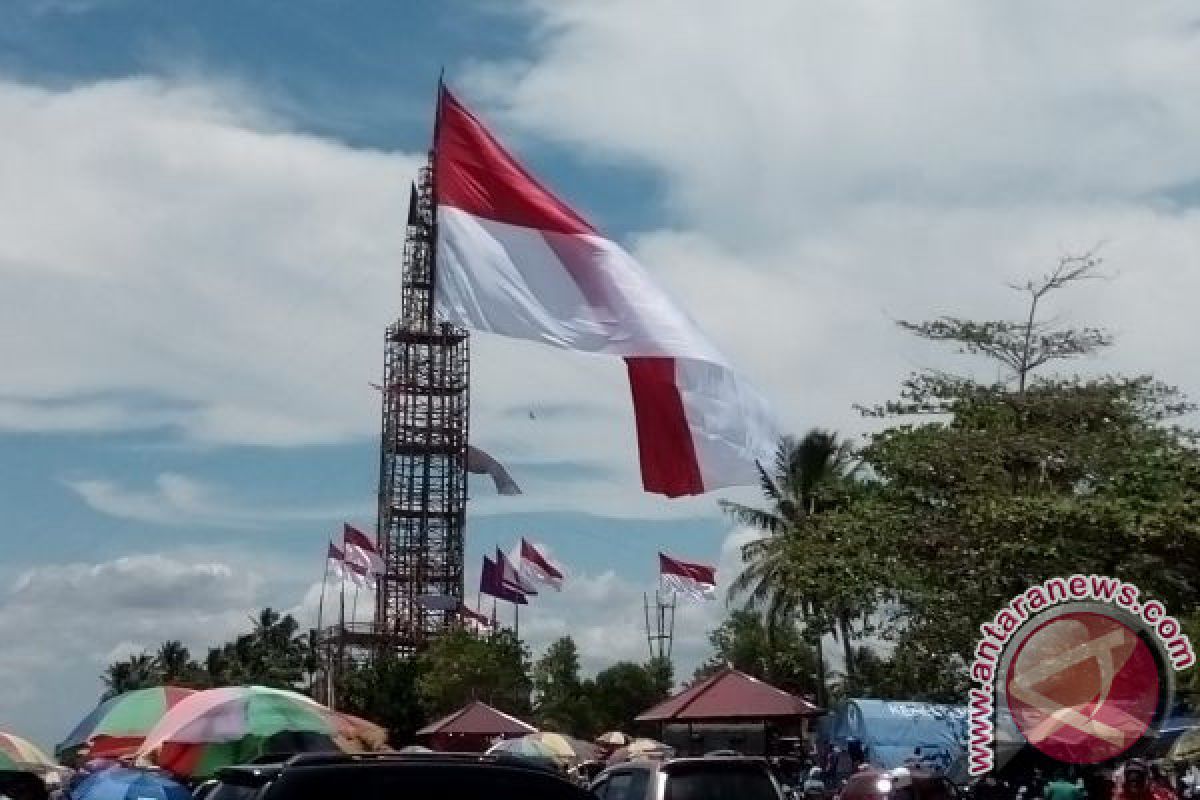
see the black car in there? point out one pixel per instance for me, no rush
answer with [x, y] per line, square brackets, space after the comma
[712, 778]
[379, 776]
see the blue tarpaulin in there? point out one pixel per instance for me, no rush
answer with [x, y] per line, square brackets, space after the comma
[892, 731]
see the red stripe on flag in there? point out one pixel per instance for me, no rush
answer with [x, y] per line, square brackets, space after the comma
[353, 536]
[531, 554]
[476, 174]
[665, 447]
[701, 573]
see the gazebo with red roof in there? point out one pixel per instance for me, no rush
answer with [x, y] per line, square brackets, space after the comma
[731, 697]
[472, 729]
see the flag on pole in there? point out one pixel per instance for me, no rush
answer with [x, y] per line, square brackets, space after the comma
[513, 259]
[511, 577]
[471, 615]
[533, 565]
[336, 560]
[360, 575]
[361, 550]
[490, 583]
[348, 570]
[697, 581]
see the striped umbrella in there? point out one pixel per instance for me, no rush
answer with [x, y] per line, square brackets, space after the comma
[20, 755]
[567, 749]
[525, 748]
[642, 749]
[121, 783]
[613, 739]
[558, 747]
[218, 727]
[118, 726]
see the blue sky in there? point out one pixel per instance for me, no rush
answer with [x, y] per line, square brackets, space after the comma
[362, 75]
[200, 239]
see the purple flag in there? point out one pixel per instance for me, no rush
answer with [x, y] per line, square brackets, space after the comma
[490, 583]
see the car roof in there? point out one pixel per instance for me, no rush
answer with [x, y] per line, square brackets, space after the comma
[261, 774]
[649, 765]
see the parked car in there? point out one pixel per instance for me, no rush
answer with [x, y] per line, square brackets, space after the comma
[720, 778]
[395, 776]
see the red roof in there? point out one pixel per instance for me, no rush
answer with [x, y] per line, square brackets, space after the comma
[478, 719]
[730, 695]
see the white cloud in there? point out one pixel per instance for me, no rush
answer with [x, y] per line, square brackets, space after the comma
[832, 166]
[62, 623]
[180, 500]
[170, 240]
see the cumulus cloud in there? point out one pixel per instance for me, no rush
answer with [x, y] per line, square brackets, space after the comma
[63, 623]
[191, 249]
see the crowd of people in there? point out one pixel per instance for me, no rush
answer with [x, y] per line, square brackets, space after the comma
[1135, 779]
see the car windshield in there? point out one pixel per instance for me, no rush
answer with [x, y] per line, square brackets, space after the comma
[720, 782]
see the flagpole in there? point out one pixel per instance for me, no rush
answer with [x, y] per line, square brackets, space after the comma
[354, 607]
[517, 620]
[324, 582]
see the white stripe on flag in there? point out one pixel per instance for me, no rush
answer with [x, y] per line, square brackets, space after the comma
[688, 587]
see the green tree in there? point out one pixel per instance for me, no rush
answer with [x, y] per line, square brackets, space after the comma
[624, 690]
[802, 566]
[274, 653]
[136, 672]
[176, 667]
[385, 691]
[459, 667]
[743, 642]
[983, 489]
[559, 700]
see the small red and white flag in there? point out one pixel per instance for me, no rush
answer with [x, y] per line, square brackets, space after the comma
[471, 616]
[348, 570]
[698, 581]
[535, 566]
[335, 561]
[511, 577]
[361, 550]
[515, 260]
[360, 575]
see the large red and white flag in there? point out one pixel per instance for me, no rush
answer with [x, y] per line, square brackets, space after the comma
[361, 550]
[698, 581]
[535, 566]
[513, 259]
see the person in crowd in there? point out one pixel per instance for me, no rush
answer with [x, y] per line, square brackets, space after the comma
[990, 787]
[1061, 787]
[1098, 784]
[902, 785]
[1160, 784]
[1137, 784]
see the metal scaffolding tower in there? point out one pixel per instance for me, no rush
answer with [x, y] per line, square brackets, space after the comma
[423, 449]
[422, 468]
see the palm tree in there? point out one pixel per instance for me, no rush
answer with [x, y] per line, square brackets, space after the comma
[136, 672]
[175, 663]
[797, 493]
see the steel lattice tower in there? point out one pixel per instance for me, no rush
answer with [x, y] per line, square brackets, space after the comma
[423, 448]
